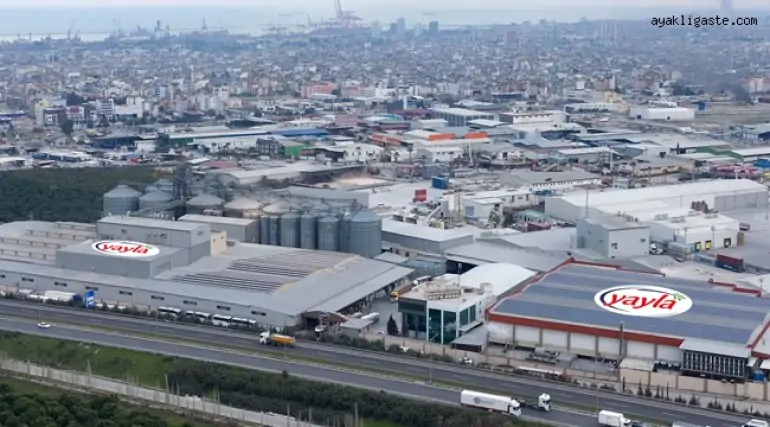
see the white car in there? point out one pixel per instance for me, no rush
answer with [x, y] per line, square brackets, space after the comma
[43, 325]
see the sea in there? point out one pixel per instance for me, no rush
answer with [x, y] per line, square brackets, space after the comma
[98, 23]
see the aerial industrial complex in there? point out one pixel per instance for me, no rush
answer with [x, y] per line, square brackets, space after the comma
[185, 266]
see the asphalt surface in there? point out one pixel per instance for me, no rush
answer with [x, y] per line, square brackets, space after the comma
[515, 386]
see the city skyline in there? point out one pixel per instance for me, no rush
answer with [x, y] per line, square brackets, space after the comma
[365, 5]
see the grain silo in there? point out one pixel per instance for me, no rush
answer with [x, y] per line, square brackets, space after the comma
[328, 233]
[264, 230]
[307, 231]
[242, 207]
[204, 202]
[155, 200]
[290, 230]
[272, 214]
[364, 234]
[120, 201]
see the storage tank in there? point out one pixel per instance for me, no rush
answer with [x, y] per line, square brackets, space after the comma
[120, 200]
[155, 200]
[307, 231]
[364, 234]
[164, 185]
[328, 233]
[264, 230]
[274, 231]
[203, 202]
[290, 230]
[241, 207]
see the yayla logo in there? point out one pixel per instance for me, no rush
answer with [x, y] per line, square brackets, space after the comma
[126, 249]
[644, 301]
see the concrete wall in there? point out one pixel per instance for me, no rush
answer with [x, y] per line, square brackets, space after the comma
[580, 344]
[700, 386]
[748, 391]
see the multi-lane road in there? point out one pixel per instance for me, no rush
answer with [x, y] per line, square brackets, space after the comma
[515, 386]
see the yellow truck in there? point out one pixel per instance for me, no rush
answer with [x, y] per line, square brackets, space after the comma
[268, 338]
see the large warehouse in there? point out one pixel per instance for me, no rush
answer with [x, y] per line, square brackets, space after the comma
[151, 263]
[609, 313]
[721, 195]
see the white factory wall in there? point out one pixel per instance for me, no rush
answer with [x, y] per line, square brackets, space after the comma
[132, 296]
[579, 344]
[720, 232]
[722, 195]
[673, 114]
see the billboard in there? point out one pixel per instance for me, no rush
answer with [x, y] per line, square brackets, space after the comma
[125, 249]
[643, 301]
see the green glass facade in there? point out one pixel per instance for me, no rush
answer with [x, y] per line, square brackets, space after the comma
[439, 326]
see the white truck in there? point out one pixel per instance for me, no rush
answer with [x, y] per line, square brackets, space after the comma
[490, 402]
[543, 403]
[613, 419]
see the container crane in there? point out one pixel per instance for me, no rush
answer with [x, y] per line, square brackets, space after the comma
[345, 18]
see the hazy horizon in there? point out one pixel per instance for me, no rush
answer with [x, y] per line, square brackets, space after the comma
[41, 17]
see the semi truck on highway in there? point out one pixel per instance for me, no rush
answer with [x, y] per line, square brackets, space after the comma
[268, 338]
[613, 419]
[543, 403]
[490, 402]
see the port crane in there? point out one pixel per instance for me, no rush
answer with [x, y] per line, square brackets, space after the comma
[345, 18]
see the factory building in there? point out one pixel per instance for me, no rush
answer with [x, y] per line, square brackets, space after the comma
[719, 195]
[184, 265]
[459, 116]
[613, 237]
[242, 230]
[669, 114]
[707, 329]
[449, 306]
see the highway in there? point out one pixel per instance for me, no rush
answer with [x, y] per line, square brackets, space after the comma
[516, 386]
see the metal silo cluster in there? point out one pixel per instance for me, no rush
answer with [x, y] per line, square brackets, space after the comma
[359, 233]
[121, 200]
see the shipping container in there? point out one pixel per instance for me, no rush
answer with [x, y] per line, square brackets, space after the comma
[730, 263]
[420, 195]
[440, 183]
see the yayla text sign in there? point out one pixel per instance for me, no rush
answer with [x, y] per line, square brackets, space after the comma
[125, 249]
[644, 301]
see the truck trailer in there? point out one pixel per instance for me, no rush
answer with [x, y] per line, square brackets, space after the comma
[490, 402]
[613, 419]
[268, 338]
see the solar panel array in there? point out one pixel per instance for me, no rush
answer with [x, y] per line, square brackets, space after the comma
[267, 274]
[568, 295]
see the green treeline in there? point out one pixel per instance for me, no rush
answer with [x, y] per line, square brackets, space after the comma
[267, 392]
[70, 410]
[66, 194]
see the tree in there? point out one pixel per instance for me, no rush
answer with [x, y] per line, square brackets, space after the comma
[392, 327]
[67, 126]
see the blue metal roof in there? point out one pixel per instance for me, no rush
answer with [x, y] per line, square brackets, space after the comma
[567, 295]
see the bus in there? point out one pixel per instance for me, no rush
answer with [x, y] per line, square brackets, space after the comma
[169, 311]
[219, 320]
[244, 323]
[202, 316]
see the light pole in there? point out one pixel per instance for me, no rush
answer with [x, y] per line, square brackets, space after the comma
[430, 354]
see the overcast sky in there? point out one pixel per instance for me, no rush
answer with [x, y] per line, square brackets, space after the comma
[369, 4]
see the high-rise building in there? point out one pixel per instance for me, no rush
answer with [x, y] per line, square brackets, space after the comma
[376, 29]
[433, 28]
